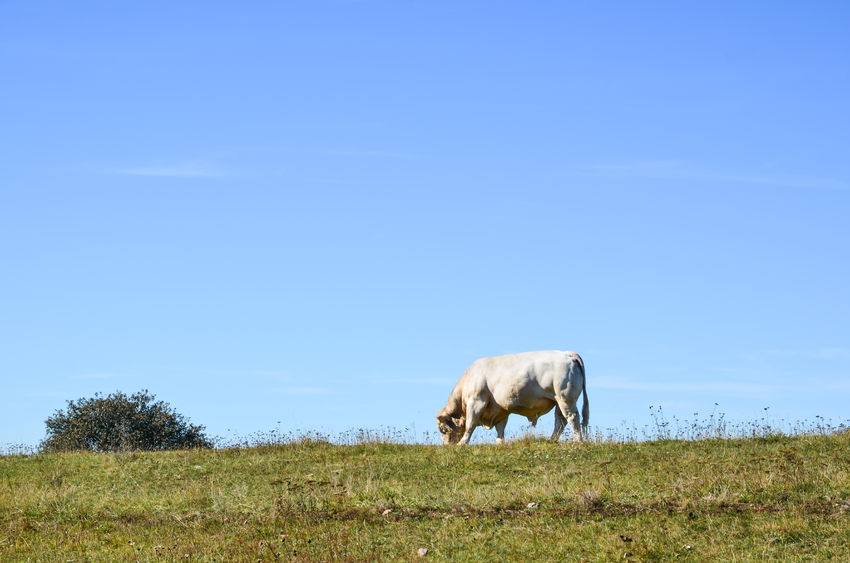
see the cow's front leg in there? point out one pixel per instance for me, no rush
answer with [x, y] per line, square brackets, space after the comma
[466, 435]
[473, 413]
[500, 432]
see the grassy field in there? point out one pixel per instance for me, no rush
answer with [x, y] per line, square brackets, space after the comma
[724, 499]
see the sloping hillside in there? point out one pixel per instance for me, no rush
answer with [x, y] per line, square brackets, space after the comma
[731, 499]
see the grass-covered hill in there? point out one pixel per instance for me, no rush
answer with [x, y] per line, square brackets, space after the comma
[780, 498]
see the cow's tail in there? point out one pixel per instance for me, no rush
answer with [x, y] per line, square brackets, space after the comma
[585, 407]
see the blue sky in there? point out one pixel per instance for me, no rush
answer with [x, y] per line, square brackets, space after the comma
[315, 215]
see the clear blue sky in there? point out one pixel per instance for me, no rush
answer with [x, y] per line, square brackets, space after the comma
[319, 213]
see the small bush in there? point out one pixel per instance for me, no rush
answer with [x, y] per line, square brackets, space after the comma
[121, 423]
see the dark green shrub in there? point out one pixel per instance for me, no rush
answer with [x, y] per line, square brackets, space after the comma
[121, 423]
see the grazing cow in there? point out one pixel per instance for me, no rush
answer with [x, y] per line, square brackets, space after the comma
[529, 384]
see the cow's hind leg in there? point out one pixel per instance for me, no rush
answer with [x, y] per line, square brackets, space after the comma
[560, 422]
[570, 412]
[500, 431]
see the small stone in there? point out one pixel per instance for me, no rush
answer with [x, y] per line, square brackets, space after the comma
[423, 551]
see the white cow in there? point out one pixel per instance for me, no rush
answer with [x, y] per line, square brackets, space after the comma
[529, 384]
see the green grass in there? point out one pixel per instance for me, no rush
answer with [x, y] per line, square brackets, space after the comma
[780, 498]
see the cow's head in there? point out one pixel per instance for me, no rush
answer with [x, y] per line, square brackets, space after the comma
[451, 429]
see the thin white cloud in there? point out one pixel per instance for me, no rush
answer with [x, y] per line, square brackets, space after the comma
[303, 390]
[179, 170]
[624, 383]
[647, 168]
[832, 353]
[273, 374]
[681, 170]
[104, 375]
[597, 352]
[825, 353]
[369, 153]
[716, 386]
[423, 380]
[46, 394]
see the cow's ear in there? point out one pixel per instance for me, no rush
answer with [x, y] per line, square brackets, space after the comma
[446, 419]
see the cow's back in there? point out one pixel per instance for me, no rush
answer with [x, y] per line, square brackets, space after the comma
[523, 382]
